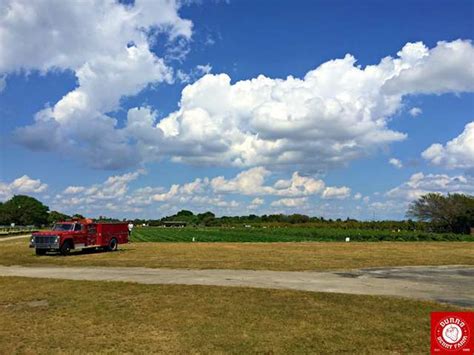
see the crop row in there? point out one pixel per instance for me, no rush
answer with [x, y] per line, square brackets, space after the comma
[156, 234]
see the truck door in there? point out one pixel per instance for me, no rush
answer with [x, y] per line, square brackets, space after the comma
[80, 233]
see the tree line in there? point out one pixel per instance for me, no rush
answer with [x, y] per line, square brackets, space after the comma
[430, 213]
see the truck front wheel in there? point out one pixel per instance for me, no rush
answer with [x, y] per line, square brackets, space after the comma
[65, 248]
[40, 251]
[113, 245]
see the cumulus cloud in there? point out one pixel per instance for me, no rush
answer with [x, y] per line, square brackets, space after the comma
[420, 184]
[396, 163]
[217, 193]
[415, 111]
[290, 202]
[107, 45]
[38, 35]
[113, 188]
[448, 67]
[248, 182]
[457, 153]
[252, 182]
[256, 203]
[336, 113]
[21, 185]
[339, 193]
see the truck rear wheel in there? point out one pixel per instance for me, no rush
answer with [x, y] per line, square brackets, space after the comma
[65, 248]
[113, 245]
[40, 251]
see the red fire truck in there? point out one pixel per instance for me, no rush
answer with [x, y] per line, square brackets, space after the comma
[80, 234]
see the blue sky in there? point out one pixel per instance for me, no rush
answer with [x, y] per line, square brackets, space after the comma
[236, 107]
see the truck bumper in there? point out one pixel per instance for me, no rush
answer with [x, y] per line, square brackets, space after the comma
[50, 246]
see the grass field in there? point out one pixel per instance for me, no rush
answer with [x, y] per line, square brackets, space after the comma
[282, 234]
[257, 256]
[55, 316]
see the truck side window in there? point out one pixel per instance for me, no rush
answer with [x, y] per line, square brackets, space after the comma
[77, 227]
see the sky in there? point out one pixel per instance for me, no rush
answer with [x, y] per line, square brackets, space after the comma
[328, 108]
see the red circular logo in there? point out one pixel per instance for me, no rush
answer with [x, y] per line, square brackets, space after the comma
[452, 333]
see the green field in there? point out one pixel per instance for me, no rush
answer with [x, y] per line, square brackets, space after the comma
[284, 234]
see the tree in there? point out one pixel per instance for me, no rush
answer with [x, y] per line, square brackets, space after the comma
[206, 218]
[24, 210]
[451, 213]
[55, 216]
[184, 213]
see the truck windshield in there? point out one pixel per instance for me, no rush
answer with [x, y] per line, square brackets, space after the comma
[63, 227]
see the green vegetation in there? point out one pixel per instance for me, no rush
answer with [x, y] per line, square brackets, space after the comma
[56, 316]
[23, 210]
[208, 219]
[452, 213]
[253, 256]
[284, 234]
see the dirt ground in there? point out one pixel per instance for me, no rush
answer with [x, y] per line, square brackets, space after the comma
[447, 284]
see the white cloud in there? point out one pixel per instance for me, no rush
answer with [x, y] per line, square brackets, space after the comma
[457, 153]
[115, 195]
[415, 111]
[248, 182]
[357, 196]
[448, 67]
[290, 202]
[251, 182]
[113, 189]
[339, 193]
[3, 82]
[336, 113]
[256, 202]
[21, 185]
[107, 46]
[194, 74]
[396, 163]
[420, 184]
[39, 35]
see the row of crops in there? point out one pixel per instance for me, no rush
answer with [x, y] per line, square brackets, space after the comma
[290, 234]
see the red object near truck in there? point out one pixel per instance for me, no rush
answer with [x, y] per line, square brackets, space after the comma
[78, 235]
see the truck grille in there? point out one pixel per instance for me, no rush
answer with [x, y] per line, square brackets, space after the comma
[45, 241]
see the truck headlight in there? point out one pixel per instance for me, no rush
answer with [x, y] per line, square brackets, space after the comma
[32, 239]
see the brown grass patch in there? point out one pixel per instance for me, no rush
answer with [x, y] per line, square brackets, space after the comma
[100, 317]
[256, 256]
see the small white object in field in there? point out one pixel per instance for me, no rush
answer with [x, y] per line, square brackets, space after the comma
[194, 239]
[348, 239]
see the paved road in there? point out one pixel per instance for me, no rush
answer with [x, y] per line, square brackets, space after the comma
[448, 284]
[4, 239]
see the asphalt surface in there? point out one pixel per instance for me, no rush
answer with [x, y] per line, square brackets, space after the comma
[447, 284]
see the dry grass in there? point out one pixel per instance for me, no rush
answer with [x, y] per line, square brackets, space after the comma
[55, 316]
[257, 256]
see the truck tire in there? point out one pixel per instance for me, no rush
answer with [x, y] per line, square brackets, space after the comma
[40, 251]
[113, 245]
[66, 248]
